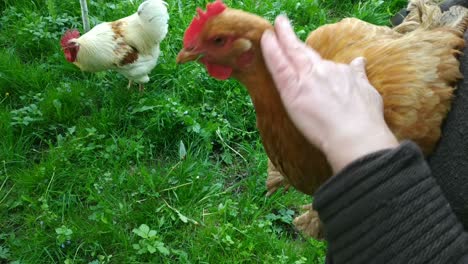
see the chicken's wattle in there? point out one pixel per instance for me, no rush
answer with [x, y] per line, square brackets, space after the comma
[217, 71]
[71, 53]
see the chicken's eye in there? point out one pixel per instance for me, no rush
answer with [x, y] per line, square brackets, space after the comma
[219, 41]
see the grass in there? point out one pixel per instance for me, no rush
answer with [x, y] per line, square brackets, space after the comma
[93, 173]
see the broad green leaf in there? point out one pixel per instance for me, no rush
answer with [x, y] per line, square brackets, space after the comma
[71, 130]
[139, 233]
[152, 233]
[144, 228]
[136, 246]
[163, 250]
[151, 249]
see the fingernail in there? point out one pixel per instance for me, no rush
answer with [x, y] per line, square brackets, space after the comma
[361, 61]
[283, 18]
[279, 21]
[360, 58]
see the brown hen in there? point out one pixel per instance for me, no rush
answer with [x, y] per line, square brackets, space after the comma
[413, 66]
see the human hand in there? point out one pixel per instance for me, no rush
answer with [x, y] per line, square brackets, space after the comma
[333, 105]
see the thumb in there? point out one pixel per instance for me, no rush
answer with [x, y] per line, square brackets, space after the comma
[359, 65]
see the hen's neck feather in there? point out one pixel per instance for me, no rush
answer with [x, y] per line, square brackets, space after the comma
[285, 145]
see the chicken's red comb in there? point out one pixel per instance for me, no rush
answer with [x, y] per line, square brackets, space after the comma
[212, 9]
[70, 34]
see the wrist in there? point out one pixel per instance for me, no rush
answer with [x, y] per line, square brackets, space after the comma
[344, 149]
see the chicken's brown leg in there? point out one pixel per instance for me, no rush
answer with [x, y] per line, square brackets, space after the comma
[275, 180]
[141, 87]
[130, 82]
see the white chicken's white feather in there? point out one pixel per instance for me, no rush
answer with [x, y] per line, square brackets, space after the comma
[97, 49]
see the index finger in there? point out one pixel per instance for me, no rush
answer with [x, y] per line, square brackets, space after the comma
[277, 62]
[297, 51]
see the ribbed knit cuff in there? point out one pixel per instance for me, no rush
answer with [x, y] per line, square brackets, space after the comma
[387, 207]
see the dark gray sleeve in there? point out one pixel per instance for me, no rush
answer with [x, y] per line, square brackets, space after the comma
[387, 208]
[449, 162]
[449, 3]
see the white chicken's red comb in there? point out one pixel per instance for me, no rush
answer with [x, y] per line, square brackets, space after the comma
[69, 34]
[212, 9]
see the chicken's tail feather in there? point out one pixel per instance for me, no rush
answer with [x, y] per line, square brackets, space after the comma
[154, 17]
[427, 15]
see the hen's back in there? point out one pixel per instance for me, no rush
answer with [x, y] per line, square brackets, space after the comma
[413, 66]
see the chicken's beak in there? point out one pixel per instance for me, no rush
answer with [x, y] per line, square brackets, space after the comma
[186, 56]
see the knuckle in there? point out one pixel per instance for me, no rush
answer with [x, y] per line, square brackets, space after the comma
[284, 71]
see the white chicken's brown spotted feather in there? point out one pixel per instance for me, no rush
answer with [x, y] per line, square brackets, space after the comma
[129, 57]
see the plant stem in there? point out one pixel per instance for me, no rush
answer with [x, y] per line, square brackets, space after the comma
[84, 15]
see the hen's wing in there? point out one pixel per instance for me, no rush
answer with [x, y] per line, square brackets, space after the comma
[333, 39]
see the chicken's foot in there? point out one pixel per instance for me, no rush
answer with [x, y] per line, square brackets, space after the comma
[275, 180]
[309, 223]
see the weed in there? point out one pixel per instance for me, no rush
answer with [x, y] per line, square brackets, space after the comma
[149, 241]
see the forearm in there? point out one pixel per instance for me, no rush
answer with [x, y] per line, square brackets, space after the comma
[387, 206]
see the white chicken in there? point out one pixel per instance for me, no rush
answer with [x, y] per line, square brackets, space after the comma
[130, 46]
